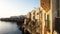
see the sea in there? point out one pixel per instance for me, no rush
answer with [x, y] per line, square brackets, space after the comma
[9, 28]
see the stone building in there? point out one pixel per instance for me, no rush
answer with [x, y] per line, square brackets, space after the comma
[57, 20]
[46, 17]
[38, 16]
[50, 10]
[34, 16]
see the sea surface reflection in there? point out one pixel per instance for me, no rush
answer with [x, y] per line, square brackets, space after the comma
[9, 28]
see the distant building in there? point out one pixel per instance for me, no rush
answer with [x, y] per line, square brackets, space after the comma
[36, 15]
[33, 15]
[29, 15]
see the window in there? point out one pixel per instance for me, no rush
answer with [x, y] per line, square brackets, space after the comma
[34, 17]
[45, 19]
[57, 5]
[45, 16]
[48, 21]
[41, 14]
[59, 8]
[37, 13]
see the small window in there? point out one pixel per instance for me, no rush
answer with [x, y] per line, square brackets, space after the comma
[37, 13]
[41, 14]
[48, 21]
[33, 17]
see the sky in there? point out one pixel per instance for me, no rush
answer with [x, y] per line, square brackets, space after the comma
[17, 7]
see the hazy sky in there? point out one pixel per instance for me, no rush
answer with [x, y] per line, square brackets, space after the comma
[17, 7]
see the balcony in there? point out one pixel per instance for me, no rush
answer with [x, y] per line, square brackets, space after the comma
[57, 24]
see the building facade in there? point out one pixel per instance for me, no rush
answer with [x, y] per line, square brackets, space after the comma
[44, 17]
[38, 16]
[51, 10]
[35, 17]
[57, 20]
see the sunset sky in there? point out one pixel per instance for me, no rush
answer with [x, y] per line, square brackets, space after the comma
[17, 7]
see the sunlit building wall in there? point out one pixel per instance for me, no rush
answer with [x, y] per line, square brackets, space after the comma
[38, 16]
[33, 15]
[48, 8]
[37, 12]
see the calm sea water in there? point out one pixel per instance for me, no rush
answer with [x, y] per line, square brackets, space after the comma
[9, 28]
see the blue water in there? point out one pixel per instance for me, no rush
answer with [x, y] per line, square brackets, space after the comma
[9, 28]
